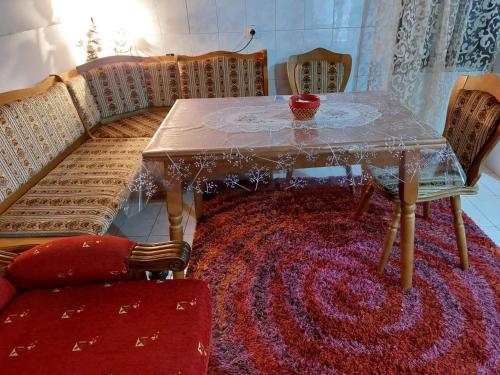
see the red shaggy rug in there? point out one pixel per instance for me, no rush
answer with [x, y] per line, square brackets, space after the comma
[296, 291]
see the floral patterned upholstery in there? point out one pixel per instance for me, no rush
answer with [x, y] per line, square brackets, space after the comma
[117, 88]
[138, 126]
[221, 76]
[318, 77]
[84, 101]
[162, 83]
[474, 117]
[33, 132]
[430, 183]
[82, 195]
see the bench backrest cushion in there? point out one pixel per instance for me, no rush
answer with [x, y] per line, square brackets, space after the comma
[118, 88]
[7, 292]
[162, 83]
[71, 261]
[84, 101]
[221, 76]
[33, 132]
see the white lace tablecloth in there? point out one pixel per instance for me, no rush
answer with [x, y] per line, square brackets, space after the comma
[250, 119]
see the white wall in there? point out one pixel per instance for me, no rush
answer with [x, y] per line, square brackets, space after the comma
[38, 37]
[32, 43]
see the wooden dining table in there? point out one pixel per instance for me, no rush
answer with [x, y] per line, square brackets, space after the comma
[202, 140]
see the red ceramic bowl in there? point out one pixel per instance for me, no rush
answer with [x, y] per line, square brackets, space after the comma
[304, 106]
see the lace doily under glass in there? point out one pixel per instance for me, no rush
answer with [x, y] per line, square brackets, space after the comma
[275, 117]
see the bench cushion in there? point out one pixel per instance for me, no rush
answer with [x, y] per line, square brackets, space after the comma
[82, 195]
[162, 83]
[117, 88]
[130, 327]
[221, 76]
[138, 126]
[33, 132]
[84, 101]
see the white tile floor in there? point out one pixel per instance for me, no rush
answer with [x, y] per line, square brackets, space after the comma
[151, 224]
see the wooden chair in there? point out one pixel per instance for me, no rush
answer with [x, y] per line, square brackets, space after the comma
[472, 130]
[319, 71]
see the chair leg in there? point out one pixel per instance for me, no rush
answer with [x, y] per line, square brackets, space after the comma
[390, 237]
[350, 178]
[365, 201]
[427, 210]
[460, 232]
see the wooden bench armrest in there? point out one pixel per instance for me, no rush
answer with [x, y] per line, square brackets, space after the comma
[172, 255]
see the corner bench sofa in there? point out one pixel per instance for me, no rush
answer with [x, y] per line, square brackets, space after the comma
[71, 145]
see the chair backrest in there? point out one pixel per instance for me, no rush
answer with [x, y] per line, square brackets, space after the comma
[319, 71]
[472, 122]
[223, 74]
[39, 126]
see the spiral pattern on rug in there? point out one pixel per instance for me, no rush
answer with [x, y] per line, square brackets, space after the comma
[295, 289]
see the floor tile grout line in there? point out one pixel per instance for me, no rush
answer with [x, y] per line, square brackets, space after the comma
[156, 219]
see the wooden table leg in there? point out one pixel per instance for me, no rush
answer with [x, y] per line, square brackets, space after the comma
[408, 192]
[198, 205]
[174, 209]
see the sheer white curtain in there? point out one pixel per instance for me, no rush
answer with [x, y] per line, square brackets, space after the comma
[417, 49]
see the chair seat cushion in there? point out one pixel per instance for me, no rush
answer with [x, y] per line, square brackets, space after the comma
[71, 261]
[131, 327]
[143, 125]
[430, 183]
[82, 195]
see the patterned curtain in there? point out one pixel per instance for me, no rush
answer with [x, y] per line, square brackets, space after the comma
[418, 48]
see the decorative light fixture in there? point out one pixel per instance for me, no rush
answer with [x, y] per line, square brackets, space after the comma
[93, 45]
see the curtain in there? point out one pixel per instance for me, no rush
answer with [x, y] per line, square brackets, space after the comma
[418, 48]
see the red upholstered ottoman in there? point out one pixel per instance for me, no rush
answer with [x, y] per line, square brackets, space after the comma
[123, 326]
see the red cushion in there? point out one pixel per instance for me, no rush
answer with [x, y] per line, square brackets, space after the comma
[71, 261]
[132, 327]
[7, 292]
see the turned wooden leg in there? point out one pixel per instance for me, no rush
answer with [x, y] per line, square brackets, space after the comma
[460, 232]
[365, 201]
[390, 237]
[407, 243]
[350, 178]
[198, 205]
[427, 210]
[174, 209]
[408, 192]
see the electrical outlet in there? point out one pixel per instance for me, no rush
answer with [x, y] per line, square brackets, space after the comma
[250, 30]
